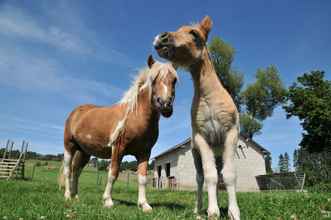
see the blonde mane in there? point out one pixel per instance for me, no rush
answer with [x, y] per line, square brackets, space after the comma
[143, 81]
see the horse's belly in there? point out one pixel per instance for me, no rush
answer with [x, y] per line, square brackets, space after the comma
[94, 145]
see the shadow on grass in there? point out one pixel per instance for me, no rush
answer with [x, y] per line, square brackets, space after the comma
[167, 205]
[223, 212]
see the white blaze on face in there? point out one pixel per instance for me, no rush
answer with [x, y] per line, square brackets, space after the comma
[156, 39]
[165, 89]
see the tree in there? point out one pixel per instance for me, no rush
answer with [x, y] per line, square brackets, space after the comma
[258, 101]
[295, 159]
[222, 55]
[268, 161]
[249, 126]
[310, 100]
[265, 94]
[286, 164]
[281, 163]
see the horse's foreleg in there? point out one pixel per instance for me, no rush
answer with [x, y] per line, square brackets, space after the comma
[199, 178]
[210, 174]
[229, 172]
[79, 161]
[142, 181]
[112, 176]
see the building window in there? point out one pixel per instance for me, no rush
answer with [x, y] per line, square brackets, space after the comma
[159, 169]
[168, 169]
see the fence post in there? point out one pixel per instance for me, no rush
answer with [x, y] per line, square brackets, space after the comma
[33, 170]
[127, 181]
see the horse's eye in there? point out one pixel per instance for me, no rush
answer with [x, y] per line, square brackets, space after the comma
[196, 37]
[195, 34]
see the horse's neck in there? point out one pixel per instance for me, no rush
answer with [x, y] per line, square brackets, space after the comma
[204, 77]
[144, 107]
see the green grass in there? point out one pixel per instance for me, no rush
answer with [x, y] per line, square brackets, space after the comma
[41, 199]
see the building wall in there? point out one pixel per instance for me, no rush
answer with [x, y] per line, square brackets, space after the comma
[249, 163]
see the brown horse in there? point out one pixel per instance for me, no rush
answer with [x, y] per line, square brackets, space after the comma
[130, 127]
[215, 119]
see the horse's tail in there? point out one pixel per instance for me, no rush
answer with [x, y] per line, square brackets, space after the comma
[60, 178]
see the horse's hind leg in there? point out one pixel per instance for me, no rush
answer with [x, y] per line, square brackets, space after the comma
[142, 181]
[69, 151]
[79, 161]
[229, 172]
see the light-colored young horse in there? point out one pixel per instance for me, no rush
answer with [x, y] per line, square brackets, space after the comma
[215, 119]
[129, 127]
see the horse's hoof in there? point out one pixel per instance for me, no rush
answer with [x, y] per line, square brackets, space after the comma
[145, 207]
[77, 198]
[234, 213]
[67, 196]
[108, 203]
[199, 217]
[213, 213]
[197, 210]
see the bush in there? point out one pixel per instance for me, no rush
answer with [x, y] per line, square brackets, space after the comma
[320, 187]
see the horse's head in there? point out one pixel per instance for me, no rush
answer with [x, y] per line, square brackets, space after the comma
[163, 79]
[184, 47]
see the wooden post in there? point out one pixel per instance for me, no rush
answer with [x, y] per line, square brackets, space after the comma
[97, 172]
[6, 149]
[33, 170]
[10, 149]
[25, 150]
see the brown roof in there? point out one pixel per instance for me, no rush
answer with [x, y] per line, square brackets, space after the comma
[251, 142]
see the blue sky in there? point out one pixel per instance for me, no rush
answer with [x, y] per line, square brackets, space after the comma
[55, 55]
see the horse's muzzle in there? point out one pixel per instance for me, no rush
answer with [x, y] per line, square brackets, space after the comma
[167, 112]
[163, 45]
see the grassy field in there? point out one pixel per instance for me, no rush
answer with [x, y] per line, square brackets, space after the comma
[41, 199]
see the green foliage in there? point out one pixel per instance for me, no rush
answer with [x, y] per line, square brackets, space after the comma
[129, 165]
[258, 101]
[310, 100]
[295, 159]
[265, 94]
[320, 187]
[286, 162]
[283, 163]
[222, 55]
[249, 126]
[268, 161]
[316, 166]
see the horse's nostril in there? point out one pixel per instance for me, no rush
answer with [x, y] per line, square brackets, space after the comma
[164, 37]
[159, 101]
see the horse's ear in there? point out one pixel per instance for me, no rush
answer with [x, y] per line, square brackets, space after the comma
[174, 66]
[205, 25]
[150, 61]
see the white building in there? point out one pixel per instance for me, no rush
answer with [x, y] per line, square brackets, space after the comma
[174, 168]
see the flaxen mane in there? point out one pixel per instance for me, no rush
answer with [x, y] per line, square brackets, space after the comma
[143, 81]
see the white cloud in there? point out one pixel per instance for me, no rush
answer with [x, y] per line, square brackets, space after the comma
[26, 71]
[67, 33]
[15, 23]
